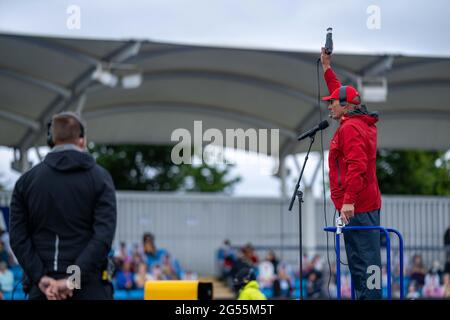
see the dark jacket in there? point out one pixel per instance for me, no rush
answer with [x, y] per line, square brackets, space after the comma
[63, 212]
[352, 158]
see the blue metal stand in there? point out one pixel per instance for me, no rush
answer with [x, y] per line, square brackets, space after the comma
[388, 257]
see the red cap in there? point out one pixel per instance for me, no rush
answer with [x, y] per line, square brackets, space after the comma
[351, 93]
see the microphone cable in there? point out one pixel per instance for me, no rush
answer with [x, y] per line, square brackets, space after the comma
[334, 239]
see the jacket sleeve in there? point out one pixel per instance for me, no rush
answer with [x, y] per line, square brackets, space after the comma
[92, 257]
[20, 239]
[332, 80]
[355, 159]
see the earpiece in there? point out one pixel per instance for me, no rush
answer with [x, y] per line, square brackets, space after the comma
[343, 96]
[50, 142]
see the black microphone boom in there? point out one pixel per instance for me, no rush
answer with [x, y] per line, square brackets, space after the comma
[324, 124]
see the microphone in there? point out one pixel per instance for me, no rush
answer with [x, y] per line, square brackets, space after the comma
[324, 124]
[329, 41]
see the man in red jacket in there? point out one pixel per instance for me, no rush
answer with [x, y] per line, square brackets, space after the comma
[353, 181]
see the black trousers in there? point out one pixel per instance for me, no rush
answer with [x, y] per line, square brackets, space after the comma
[92, 290]
[363, 251]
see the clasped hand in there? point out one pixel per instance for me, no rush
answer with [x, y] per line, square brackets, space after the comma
[55, 289]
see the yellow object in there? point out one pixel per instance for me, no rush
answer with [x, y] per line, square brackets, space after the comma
[177, 290]
[251, 292]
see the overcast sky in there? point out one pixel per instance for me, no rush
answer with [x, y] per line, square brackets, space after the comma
[405, 27]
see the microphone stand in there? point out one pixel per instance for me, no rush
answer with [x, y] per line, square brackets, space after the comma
[299, 194]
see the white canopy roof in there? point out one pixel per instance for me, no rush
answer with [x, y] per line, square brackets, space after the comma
[223, 87]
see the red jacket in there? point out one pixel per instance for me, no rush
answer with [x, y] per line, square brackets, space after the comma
[352, 158]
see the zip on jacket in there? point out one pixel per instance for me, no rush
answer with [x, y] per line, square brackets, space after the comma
[339, 172]
[55, 259]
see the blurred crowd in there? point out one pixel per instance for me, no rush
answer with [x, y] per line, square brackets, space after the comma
[7, 261]
[279, 279]
[134, 266]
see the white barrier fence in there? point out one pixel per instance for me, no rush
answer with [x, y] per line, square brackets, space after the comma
[193, 226]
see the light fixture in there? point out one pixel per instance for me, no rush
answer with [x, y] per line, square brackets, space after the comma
[128, 75]
[105, 76]
[131, 81]
[373, 89]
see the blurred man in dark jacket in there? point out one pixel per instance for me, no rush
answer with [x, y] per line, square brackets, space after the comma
[63, 218]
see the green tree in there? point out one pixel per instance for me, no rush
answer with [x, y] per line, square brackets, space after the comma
[149, 167]
[413, 172]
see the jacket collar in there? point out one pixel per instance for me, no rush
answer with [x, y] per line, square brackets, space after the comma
[362, 113]
[65, 147]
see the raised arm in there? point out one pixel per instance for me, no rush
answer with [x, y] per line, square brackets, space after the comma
[331, 79]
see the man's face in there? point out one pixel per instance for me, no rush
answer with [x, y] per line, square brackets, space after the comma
[149, 246]
[336, 111]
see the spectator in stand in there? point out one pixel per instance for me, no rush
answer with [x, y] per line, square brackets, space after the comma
[121, 254]
[418, 271]
[447, 239]
[396, 290]
[4, 254]
[136, 260]
[4, 237]
[384, 276]
[306, 265]
[446, 286]
[316, 266]
[266, 274]
[125, 277]
[413, 292]
[156, 273]
[170, 268]
[396, 274]
[226, 259]
[331, 290]
[250, 254]
[432, 287]
[240, 263]
[313, 286]
[6, 278]
[152, 254]
[447, 251]
[272, 258]
[282, 285]
[447, 263]
[346, 289]
[141, 276]
[436, 269]
[136, 250]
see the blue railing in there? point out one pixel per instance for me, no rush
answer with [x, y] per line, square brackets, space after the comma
[388, 257]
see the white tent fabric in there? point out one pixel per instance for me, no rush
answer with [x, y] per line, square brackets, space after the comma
[223, 87]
